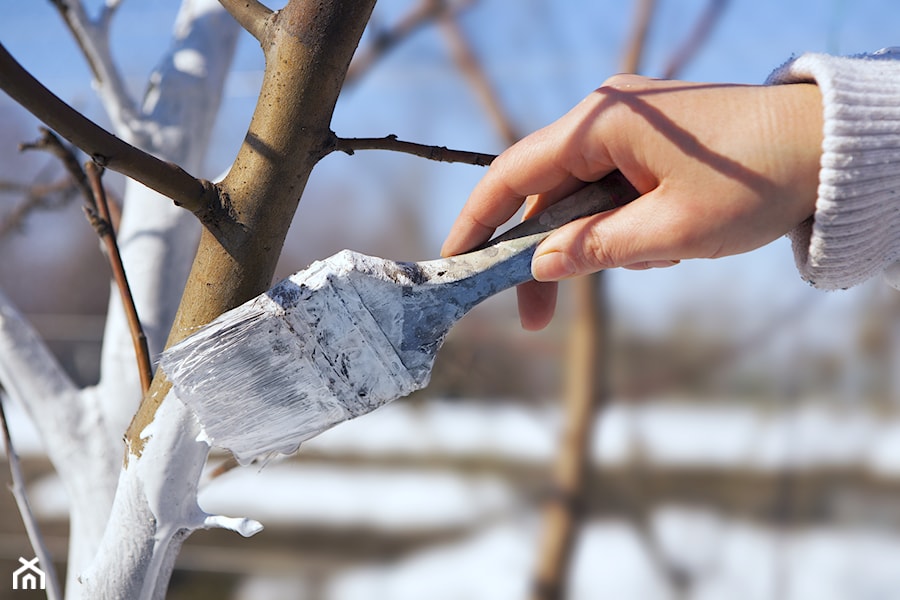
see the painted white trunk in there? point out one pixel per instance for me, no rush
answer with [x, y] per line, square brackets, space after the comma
[127, 523]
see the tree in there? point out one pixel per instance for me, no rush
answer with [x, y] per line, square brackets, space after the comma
[128, 518]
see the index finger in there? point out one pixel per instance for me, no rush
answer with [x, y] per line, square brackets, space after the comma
[538, 163]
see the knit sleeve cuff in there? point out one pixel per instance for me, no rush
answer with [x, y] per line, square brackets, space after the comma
[855, 231]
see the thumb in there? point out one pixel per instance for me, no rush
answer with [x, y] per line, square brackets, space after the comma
[640, 233]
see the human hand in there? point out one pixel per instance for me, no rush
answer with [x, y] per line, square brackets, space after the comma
[722, 169]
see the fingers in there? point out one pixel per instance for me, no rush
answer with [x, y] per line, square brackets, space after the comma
[654, 231]
[537, 303]
[540, 164]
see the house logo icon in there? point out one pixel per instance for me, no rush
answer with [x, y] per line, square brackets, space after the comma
[29, 576]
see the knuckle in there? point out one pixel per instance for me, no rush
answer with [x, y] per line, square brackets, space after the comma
[595, 251]
[624, 81]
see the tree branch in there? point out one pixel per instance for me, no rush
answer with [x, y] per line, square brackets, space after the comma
[92, 36]
[634, 49]
[102, 223]
[37, 196]
[196, 195]
[70, 424]
[48, 142]
[54, 592]
[391, 143]
[250, 14]
[471, 68]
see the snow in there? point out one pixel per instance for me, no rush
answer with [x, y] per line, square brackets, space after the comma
[357, 496]
[455, 429]
[739, 561]
[668, 432]
[487, 565]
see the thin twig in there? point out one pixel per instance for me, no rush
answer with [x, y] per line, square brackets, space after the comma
[250, 14]
[49, 142]
[106, 149]
[36, 196]
[390, 142]
[103, 225]
[53, 589]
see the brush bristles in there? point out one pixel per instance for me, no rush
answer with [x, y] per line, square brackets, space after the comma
[286, 366]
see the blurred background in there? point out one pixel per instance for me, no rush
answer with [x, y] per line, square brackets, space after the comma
[746, 437]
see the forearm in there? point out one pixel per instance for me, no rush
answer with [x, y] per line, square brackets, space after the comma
[855, 231]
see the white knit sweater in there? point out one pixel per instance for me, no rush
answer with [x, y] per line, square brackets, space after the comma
[855, 232]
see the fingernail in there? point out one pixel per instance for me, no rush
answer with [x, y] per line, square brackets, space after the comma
[661, 264]
[552, 266]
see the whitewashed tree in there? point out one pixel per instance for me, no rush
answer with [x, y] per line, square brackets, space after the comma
[133, 505]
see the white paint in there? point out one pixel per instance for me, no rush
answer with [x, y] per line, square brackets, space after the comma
[290, 363]
[190, 61]
[370, 497]
[332, 342]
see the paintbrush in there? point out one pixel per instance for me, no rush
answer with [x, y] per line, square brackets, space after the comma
[348, 334]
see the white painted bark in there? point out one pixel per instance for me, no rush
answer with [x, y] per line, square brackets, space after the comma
[127, 524]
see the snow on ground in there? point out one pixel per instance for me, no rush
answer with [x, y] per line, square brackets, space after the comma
[728, 559]
[669, 433]
[356, 496]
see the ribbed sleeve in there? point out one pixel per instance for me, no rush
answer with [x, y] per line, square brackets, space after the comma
[855, 232]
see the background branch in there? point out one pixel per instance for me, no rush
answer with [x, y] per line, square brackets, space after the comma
[385, 39]
[699, 35]
[634, 47]
[48, 142]
[167, 178]
[19, 492]
[586, 393]
[470, 67]
[92, 37]
[36, 196]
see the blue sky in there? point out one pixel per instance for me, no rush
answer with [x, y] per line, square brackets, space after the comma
[544, 56]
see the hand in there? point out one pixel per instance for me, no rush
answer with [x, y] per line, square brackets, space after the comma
[722, 169]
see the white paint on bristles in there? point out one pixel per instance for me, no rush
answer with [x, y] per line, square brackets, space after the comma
[293, 362]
